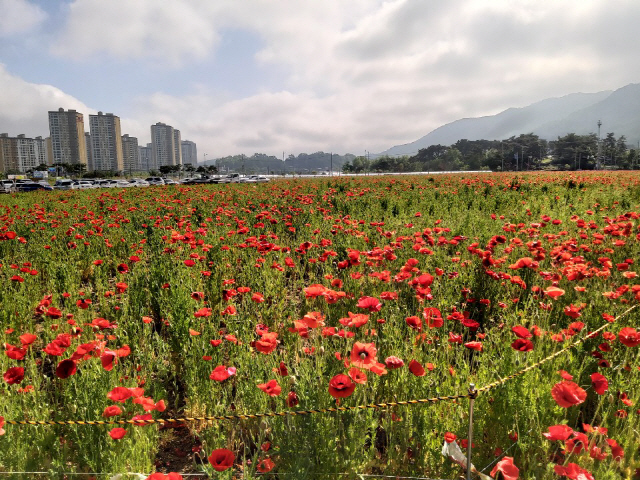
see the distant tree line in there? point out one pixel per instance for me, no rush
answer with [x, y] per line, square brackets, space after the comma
[269, 164]
[525, 152]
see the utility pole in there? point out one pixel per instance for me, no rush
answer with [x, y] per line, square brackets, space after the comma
[599, 146]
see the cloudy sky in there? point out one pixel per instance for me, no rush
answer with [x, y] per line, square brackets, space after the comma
[273, 76]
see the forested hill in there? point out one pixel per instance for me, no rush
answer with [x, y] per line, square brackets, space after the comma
[579, 113]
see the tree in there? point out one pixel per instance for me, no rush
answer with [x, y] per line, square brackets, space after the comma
[573, 152]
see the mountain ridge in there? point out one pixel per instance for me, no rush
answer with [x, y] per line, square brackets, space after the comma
[618, 110]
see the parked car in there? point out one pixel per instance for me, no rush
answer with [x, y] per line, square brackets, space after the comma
[7, 186]
[31, 186]
[138, 182]
[65, 184]
[123, 184]
[261, 179]
[109, 183]
[85, 184]
[155, 181]
[169, 181]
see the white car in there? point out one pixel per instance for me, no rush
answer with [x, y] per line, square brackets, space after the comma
[85, 184]
[123, 184]
[138, 182]
[155, 181]
[66, 184]
[169, 181]
[109, 183]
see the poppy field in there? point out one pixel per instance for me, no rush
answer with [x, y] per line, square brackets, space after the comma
[307, 294]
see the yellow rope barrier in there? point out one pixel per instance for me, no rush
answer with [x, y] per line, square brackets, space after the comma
[285, 413]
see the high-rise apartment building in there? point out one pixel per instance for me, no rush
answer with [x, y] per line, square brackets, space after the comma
[177, 145]
[130, 154]
[165, 141]
[106, 142]
[87, 142]
[189, 153]
[20, 154]
[67, 137]
[8, 153]
[145, 154]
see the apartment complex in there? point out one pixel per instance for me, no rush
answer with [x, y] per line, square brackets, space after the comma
[146, 158]
[189, 153]
[130, 154]
[20, 154]
[103, 148]
[106, 143]
[165, 145]
[67, 137]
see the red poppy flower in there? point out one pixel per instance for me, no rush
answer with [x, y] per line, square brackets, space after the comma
[312, 320]
[341, 386]
[267, 343]
[315, 290]
[121, 287]
[521, 331]
[629, 337]
[554, 292]
[220, 373]
[117, 433]
[573, 471]
[414, 322]
[257, 297]
[370, 303]
[14, 375]
[616, 450]
[112, 411]
[522, 345]
[271, 388]
[507, 468]
[355, 320]
[203, 312]
[119, 394]
[65, 369]
[416, 368]
[565, 375]
[292, 399]
[221, 459]
[600, 383]
[450, 437]
[27, 339]
[266, 465]
[393, 362]
[358, 376]
[123, 268]
[363, 355]
[558, 432]
[433, 317]
[197, 295]
[477, 346]
[567, 394]
[53, 312]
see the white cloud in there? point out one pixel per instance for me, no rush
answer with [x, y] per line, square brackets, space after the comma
[19, 16]
[24, 105]
[169, 32]
[359, 75]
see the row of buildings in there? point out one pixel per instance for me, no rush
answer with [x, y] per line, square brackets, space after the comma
[103, 148]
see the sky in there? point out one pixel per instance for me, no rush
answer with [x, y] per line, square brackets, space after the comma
[301, 76]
